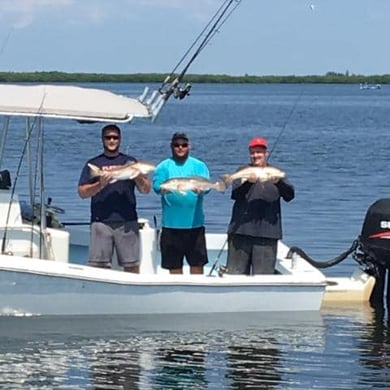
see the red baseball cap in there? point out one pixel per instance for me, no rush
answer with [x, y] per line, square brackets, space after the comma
[258, 141]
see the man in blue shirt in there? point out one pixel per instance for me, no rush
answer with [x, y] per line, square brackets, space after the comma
[183, 232]
[114, 221]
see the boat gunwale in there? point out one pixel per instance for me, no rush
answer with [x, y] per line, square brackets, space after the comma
[75, 272]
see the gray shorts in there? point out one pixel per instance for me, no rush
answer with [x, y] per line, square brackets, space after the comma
[124, 237]
[251, 255]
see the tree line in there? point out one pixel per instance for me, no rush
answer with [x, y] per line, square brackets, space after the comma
[63, 77]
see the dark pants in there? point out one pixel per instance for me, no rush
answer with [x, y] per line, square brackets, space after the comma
[179, 243]
[251, 255]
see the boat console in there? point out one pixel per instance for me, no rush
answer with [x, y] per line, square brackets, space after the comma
[23, 238]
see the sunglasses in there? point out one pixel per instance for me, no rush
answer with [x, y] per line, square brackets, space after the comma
[183, 145]
[109, 137]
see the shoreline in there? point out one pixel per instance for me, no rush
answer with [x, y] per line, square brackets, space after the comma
[55, 76]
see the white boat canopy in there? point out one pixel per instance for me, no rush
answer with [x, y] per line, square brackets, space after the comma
[70, 102]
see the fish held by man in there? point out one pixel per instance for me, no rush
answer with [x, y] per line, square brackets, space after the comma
[262, 174]
[124, 172]
[192, 183]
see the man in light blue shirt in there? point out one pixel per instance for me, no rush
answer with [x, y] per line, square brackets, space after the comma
[183, 232]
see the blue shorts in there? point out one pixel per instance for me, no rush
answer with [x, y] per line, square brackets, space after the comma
[124, 237]
[179, 243]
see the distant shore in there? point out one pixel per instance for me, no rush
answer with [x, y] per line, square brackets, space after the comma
[329, 78]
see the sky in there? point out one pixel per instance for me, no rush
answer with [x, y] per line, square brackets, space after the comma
[261, 37]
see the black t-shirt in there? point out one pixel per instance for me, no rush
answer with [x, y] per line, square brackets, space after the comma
[116, 202]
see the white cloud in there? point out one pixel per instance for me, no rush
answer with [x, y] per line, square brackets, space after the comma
[190, 5]
[197, 8]
[21, 13]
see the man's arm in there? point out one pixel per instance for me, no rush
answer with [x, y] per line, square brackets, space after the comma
[286, 189]
[160, 175]
[89, 190]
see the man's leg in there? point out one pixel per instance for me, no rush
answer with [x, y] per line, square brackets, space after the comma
[101, 245]
[264, 256]
[171, 250]
[176, 271]
[198, 270]
[134, 269]
[196, 251]
[239, 253]
[127, 244]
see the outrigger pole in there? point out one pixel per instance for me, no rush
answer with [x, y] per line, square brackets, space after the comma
[173, 85]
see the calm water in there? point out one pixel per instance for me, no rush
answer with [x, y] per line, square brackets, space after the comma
[332, 141]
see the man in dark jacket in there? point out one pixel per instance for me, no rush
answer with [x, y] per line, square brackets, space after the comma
[255, 226]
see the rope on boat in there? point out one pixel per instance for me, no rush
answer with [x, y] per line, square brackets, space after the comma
[323, 264]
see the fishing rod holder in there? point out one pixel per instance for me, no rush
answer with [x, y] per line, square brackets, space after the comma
[157, 99]
[154, 103]
[181, 92]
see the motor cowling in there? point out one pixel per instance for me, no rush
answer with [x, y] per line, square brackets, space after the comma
[375, 235]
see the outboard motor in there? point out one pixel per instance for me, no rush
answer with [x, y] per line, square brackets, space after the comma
[375, 245]
[375, 236]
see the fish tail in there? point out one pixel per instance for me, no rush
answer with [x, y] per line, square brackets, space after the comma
[94, 170]
[220, 186]
[226, 180]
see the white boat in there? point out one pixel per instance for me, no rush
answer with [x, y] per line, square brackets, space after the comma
[370, 86]
[41, 267]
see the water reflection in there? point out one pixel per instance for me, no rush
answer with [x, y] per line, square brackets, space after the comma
[339, 348]
[375, 348]
[198, 352]
[182, 366]
[365, 333]
[115, 368]
[254, 367]
[188, 364]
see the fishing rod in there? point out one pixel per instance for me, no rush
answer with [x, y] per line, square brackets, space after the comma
[220, 17]
[216, 261]
[191, 47]
[285, 124]
[5, 42]
[173, 85]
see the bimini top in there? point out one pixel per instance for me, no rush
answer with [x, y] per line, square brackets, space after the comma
[71, 102]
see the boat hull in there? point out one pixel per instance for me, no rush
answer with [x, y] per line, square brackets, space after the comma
[38, 287]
